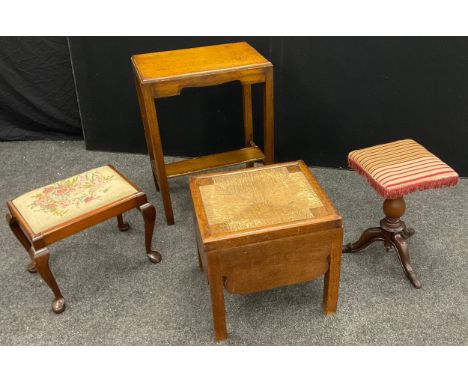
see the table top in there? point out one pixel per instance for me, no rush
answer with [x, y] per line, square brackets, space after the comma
[261, 201]
[182, 63]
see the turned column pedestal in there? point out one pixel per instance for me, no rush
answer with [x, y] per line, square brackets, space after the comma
[394, 233]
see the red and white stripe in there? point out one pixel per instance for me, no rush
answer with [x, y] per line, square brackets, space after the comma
[398, 168]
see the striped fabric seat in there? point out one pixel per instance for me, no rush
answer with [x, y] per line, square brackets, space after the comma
[398, 168]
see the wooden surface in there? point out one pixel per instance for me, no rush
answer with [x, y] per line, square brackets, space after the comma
[35, 243]
[182, 63]
[286, 261]
[213, 161]
[263, 228]
[165, 74]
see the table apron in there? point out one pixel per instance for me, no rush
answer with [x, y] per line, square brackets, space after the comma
[275, 263]
[171, 88]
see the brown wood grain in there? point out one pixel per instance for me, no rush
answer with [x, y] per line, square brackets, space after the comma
[267, 256]
[214, 161]
[165, 74]
[270, 264]
[193, 62]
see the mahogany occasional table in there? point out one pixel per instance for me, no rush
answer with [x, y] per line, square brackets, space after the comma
[262, 228]
[165, 74]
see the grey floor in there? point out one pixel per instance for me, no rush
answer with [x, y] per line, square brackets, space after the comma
[115, 296]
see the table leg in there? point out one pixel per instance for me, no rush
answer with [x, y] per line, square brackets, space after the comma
[200, 264]
[41, 261]
[248, 123]
[149, 215]
[268, 123]
[144, 120]
[332, 277]
[215, 280]
[121, 224]
[157, 151]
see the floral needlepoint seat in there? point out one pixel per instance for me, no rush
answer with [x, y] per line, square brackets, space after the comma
[64, 200]
[48, 214]
[394, 170]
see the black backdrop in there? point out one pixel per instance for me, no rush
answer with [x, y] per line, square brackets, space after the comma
[331, 95]
[37, 91]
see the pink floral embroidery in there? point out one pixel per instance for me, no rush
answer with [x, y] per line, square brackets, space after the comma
[83, 188]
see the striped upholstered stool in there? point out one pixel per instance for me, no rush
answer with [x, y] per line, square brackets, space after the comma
[394, 170]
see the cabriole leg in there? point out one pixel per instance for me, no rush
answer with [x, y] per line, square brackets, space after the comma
[15, 228]
[123, 226]
[41, 260]
[149, 215]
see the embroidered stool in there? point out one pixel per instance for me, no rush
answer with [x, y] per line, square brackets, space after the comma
[394, 170]
[48, 214]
